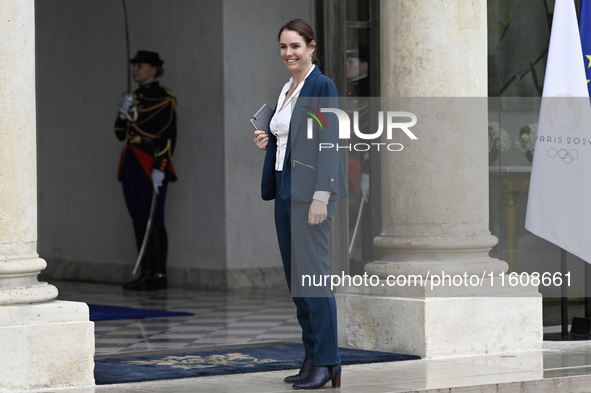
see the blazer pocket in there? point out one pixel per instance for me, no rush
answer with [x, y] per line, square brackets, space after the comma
[303, 180]
[294, 162]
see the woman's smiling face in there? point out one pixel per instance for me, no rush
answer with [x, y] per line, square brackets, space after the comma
[296, 54]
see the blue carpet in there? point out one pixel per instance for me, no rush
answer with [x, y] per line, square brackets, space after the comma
[104, 313]
[232, 361]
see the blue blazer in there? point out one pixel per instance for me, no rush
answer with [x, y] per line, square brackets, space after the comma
[307, 168]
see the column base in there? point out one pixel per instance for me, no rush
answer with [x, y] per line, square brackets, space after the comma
[439, 327]
[46, 345]
[42, 292]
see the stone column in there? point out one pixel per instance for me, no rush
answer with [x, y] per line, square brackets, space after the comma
[435, 199]
[43, 342]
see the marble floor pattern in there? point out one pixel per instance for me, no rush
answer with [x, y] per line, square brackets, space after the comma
[221, 319]
[250, 318]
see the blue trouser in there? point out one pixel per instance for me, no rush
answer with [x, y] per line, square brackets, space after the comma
[307, 246]
[138, 189]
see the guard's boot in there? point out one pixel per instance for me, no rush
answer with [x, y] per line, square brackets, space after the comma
[159, 280]
[145, 264]
[155, 262]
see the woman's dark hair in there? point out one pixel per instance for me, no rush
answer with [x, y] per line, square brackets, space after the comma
[301, 27]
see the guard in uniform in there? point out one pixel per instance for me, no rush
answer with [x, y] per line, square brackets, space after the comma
[359, 163]
[147, 123]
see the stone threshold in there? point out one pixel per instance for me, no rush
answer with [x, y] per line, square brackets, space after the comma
[579, 383]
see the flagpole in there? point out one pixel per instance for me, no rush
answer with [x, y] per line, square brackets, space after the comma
[584, 32]
[582, 325]
[580, 329]
[561, 224]
[564, 294]
[587, 290]
[563, 335]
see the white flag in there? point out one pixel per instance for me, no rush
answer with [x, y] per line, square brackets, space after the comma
[559, 203]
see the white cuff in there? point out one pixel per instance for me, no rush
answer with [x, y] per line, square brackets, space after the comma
[322, 196]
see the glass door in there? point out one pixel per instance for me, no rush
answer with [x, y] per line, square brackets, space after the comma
[350, 57]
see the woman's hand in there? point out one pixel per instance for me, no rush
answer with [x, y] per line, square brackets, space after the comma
[318, 212]
[261, 139]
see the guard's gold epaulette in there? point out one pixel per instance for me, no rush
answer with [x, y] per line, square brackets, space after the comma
[169, 92]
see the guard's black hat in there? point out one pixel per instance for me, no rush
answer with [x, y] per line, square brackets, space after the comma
[144, 56]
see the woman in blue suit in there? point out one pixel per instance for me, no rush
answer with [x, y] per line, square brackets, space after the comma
[305, 176]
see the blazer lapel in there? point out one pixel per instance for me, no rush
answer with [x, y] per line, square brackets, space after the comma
[297, 115]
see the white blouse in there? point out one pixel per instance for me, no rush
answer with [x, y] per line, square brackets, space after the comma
[282, 117]
[280, 127]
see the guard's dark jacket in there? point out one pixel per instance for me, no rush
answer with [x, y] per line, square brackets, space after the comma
[152, 137]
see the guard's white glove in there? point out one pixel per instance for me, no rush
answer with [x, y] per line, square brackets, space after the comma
[124, 112]
[364, 184]
[157, 178]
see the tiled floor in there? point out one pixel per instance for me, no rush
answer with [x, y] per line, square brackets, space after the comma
[224, 319]
[221, 319]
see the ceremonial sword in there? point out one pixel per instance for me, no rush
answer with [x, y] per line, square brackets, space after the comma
[148, 230]
[127, 45]
[356, 225]
[155, 193]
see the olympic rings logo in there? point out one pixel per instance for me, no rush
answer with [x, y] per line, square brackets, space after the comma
[562, 155]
